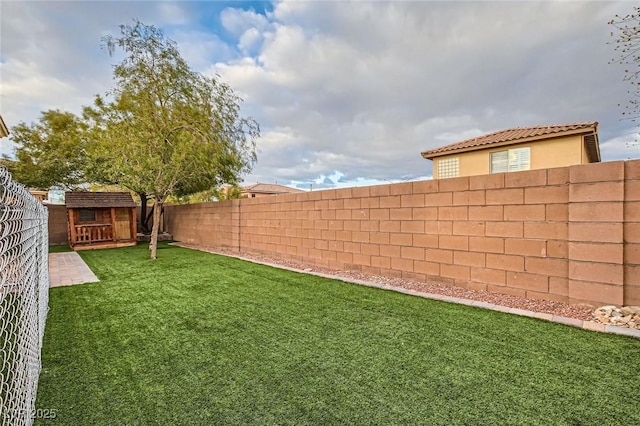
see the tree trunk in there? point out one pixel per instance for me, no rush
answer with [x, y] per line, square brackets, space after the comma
[143, 212]
[149, 218]
[157, 212]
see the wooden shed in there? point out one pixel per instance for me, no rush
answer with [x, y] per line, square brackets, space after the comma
[101, 219]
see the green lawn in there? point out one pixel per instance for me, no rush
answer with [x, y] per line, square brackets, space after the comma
[59, 249]
[195, 338]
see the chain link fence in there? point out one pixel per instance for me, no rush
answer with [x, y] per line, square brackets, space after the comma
[24, 294]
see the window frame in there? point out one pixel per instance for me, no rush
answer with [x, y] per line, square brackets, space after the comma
[86, 210]
[513, 161]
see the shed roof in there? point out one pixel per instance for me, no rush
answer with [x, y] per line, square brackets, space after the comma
[81, 200]
[522, 134]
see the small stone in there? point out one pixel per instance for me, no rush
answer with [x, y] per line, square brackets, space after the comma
[606, 308]
[630, 310]
[626, 319]
[308, 269]
[616, 321]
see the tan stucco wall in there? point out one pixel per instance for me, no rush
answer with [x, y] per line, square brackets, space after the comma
[556, 152]
[4, 130]
[255, 195]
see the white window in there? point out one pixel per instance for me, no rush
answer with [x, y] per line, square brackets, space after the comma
[448, 168]
[512, 160]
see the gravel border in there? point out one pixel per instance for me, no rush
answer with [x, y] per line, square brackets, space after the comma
[574, 315]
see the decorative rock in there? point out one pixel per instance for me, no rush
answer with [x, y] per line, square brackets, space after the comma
[607, 308]
[627, 316]
[630, 310]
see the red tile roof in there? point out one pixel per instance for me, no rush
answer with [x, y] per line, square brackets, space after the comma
[81, 200]
[517, 135]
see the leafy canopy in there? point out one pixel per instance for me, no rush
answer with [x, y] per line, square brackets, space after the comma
[50, 152]
[627, 44]
[165, 129]
[222, 193]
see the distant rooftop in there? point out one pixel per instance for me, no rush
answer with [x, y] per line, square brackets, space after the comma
[520, 135]
[270, 188]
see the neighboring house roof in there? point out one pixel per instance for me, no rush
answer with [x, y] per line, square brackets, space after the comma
[523, 134]
[4, 130]
[82, 200]
[270, 188]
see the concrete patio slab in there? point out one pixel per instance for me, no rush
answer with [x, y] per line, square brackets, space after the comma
[69, 269]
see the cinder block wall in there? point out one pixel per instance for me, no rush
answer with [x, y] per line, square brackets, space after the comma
[567, 234]
[214, 224]
[631, 234]
[58, 231]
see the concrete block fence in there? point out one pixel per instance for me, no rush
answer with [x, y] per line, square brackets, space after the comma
[567, 234]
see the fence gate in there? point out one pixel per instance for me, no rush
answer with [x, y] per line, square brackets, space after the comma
[24, 295]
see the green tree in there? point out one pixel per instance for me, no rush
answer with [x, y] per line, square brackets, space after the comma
[228, 193]
[165, 129]
[627, 44]
[50, 152]
[223, 193]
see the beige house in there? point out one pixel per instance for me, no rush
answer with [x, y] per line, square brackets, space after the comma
[42, 196]
[521, 148]
[4, 130]
[266, 189]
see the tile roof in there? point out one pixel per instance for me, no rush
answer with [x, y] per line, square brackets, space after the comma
[513, 136]
[84, 199]
[270, 188]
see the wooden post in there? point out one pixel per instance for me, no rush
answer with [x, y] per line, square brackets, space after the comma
[113, 223]
[133, 221]
[72, 228]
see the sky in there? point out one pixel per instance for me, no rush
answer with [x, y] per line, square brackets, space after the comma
[346, 93]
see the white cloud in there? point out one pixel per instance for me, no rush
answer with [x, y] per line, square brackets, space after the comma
[348, 91]
[200, 48]
[626, 146]
[172, 14]
[249, 40]
[237, 21]
[51, 54]
[373, 84]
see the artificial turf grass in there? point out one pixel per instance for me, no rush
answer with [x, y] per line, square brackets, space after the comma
[196, 338]
[59, 248]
